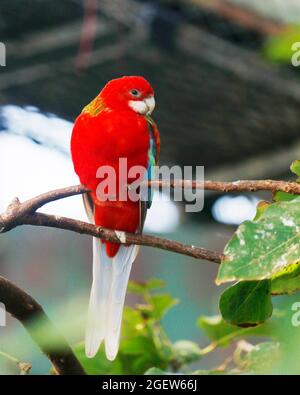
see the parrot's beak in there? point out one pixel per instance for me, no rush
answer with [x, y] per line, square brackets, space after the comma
[144, 107]
[150, 103]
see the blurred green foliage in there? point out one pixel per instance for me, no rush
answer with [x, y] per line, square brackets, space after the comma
[144, 342]
[146, 349]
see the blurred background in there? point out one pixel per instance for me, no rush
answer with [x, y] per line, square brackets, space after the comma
[227, 98]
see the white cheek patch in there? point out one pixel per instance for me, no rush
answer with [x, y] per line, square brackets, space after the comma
[138, 106]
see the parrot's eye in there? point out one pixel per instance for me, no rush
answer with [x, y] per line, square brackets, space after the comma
[135, 92]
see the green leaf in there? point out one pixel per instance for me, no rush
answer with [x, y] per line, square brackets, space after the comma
[133, 323]
[136, 288]
[155, 283]
[247, 303]
[259, 358]
[161, 304]
[287, 281]
[291, 271]
[286, 286]
[280, 196]
[156, 372]
[140, 288]
[223, 333]
[295, 167]
[260, 208]
[259, 249]
[140, 364]
[99, 364]
[216, 328]
[186, 351]
[157, 306]
[137, 345]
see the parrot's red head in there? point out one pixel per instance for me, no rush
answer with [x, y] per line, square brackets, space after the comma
[130, 92]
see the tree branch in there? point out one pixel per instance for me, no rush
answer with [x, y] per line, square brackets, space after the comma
[25, 214]
[234, 186]
[25, 309]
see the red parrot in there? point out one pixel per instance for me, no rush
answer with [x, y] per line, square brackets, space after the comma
[116, 124]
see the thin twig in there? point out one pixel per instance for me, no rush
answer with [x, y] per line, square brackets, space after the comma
[27, 310]
[24, 367]
[40, 219]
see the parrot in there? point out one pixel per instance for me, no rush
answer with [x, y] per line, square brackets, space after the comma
[116, 124]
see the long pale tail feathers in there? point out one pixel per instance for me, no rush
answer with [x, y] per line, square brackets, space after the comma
[110, 279]
[108, 292]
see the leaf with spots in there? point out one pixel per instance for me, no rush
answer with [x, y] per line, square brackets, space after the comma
[261, 248]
